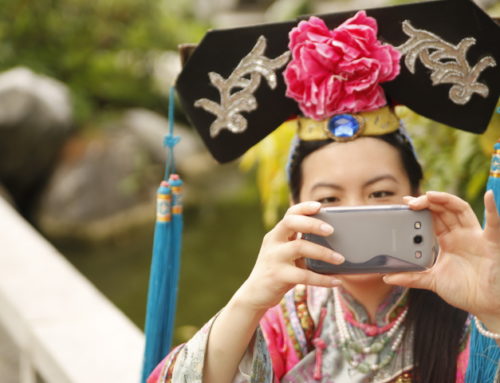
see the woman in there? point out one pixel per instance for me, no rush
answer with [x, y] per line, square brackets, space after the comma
[440, 331]
[289, 324]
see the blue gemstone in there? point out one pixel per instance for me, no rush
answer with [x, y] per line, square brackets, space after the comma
[343, 125]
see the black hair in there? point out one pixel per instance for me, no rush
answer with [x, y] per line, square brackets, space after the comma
[438, 331]
[437, 328]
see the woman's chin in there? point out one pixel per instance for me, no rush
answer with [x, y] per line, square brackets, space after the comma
[361, 278]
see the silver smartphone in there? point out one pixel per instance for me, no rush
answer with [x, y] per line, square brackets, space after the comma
[376, 239]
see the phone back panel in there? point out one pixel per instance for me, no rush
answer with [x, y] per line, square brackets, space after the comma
[376, 239]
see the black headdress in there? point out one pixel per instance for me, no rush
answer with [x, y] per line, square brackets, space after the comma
[232, 87]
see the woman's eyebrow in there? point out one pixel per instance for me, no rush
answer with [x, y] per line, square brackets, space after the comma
[326, 185]
[379, 178]
[371, 181]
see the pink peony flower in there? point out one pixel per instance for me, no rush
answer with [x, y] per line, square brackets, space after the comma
[339, 71]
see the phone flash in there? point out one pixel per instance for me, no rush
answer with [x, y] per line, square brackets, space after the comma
[418, 254]
[418, 225]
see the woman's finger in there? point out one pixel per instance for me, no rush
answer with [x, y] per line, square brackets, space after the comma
[448, 218]
[437, 222]
[492, 227]
[304, 208]
[308, 277]
[294, 223]
[456, 205]
[417, 280]
[302, 248]
[453, 211]
[439, 225]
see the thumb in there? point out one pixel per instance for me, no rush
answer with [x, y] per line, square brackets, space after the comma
[417, 280]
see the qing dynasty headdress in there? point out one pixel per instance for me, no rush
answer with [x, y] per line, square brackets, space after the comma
[439, 58]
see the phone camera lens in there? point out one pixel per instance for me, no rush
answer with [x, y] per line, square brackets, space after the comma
[418, 239]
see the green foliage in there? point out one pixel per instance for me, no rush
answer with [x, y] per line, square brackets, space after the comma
[104, 50]
[454, 161]
[269, 157]
[285, 10]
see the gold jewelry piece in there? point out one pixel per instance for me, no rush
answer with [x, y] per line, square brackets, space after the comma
[347, 127]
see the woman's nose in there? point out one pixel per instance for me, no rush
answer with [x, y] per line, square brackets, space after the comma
[354, 201]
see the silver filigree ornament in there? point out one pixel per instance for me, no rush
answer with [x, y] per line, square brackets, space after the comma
[448, 62]
[237, 91]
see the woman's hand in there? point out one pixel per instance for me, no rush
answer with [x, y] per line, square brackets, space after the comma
[280, 263]
[279, 266]
[467, 271]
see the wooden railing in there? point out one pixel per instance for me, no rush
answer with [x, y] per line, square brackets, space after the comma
[57, 325]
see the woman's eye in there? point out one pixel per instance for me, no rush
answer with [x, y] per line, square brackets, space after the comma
[381, 194]
[328, 200]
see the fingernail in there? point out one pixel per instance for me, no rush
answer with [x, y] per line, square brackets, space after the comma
[415, 200]
[325, 228]
[336, 282]
[337, 258]
[314, 205]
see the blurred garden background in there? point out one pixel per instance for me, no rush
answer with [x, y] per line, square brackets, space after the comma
[83, 105]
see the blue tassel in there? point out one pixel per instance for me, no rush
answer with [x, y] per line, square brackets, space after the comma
[161, 269]
[176, 232]
[484, 352]
[494, 179]
[483, 360]
[165, 264]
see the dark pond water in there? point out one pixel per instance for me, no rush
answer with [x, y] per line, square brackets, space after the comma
[221, 241]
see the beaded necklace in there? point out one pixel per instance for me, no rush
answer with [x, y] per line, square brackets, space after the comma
[355, 351]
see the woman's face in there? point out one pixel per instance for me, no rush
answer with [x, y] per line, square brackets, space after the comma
[366, 171]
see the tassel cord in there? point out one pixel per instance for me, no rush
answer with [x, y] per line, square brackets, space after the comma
[170, 140]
